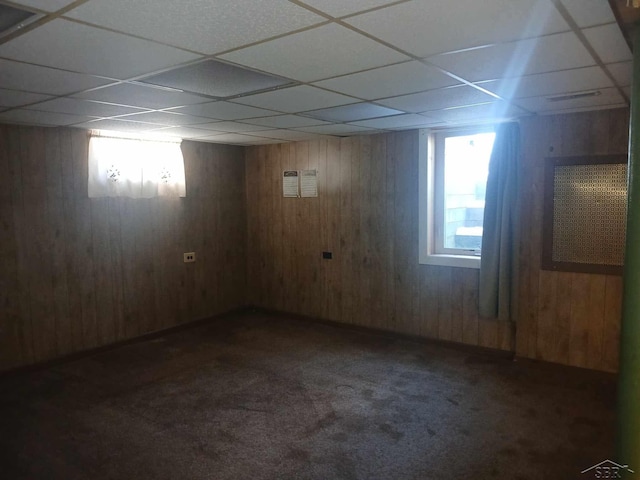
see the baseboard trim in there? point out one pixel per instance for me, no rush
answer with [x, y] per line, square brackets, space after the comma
[71, 357]
[476, 349]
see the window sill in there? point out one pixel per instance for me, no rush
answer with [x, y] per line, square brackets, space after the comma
[462, 261]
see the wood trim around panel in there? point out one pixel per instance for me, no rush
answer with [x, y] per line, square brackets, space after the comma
[547, 262]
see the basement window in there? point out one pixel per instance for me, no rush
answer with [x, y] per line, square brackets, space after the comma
[453, 176]
[135, 167]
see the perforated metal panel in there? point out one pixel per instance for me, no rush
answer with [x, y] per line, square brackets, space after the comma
[589, 213]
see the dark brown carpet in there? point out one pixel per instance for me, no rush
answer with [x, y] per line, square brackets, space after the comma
[256, 396]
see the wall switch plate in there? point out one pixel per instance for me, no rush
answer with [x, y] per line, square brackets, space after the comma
[189, 257]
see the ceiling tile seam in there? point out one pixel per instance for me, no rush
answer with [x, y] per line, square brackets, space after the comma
[65, 70]
[48, 17]
[214, 56]
[360, 12]
[137, 37]
[586, 44]
[421, 60]
[27, 8]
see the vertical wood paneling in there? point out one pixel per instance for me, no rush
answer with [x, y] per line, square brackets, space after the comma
[367, 216]
[374, 280]
[11, 350]
[76, 273]
[571, 318]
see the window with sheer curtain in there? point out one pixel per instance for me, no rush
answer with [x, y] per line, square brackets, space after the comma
[135, 168]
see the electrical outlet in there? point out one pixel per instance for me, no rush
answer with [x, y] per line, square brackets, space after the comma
[189, 257]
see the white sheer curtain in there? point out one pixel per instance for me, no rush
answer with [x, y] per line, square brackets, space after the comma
[123, 167]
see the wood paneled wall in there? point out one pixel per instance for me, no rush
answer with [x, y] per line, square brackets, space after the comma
[366, 214]
[568, 318]
[78, 273]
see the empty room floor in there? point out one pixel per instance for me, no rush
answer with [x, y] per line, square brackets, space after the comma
[261, 396]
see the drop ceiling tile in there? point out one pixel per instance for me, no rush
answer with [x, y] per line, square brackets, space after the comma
[622, 72]
[398, 122]
[608, 96]
[83, 107]
[289, 135]
[15, 98]
[350, 113]
[95, 51]
[32, 117]
[526, 57]
[552, 83]
[141, 96]
[230, 138]
[437, 99]
[426, 28]
[233, 127]
[296, 99]
[285, 121]
[486, 112]
[587, 13]
[337, 129]
[22, 76]
[224, 111]
[46, 5]
[118, 125]
[340, 8]
[200, 25]
[165, 118]
[185, 132]
[316, 54]
[215, 79]
[264, 141]
[389, 81]
[608, 42]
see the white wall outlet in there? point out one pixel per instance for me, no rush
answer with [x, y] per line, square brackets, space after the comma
[189, 257]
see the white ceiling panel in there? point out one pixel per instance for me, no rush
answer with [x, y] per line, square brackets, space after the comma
[349, 113]
[608, 96]
[165, 118]
[46, 5]
[316, 54]
[22, 76]
[119, 125]
[389, 81]
[337, 129]
[32, 117]
[426, 28]
[232, 138]
[608, 42]
[552, 83]
[554, 52]
[286, 121]
[142, 96]
[486, 112]
[296, 99]
[224, 111]
[83, 107]
[289, 135]
[94, 51]
[207, 26]
[587, 13]
[622, 72]
[227, 126]
[186, 132]
[261, 141]
[14, 98]
[409, 120]
[340, 8]
[437, 99]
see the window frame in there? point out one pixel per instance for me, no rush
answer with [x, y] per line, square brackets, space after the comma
[431, 199]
